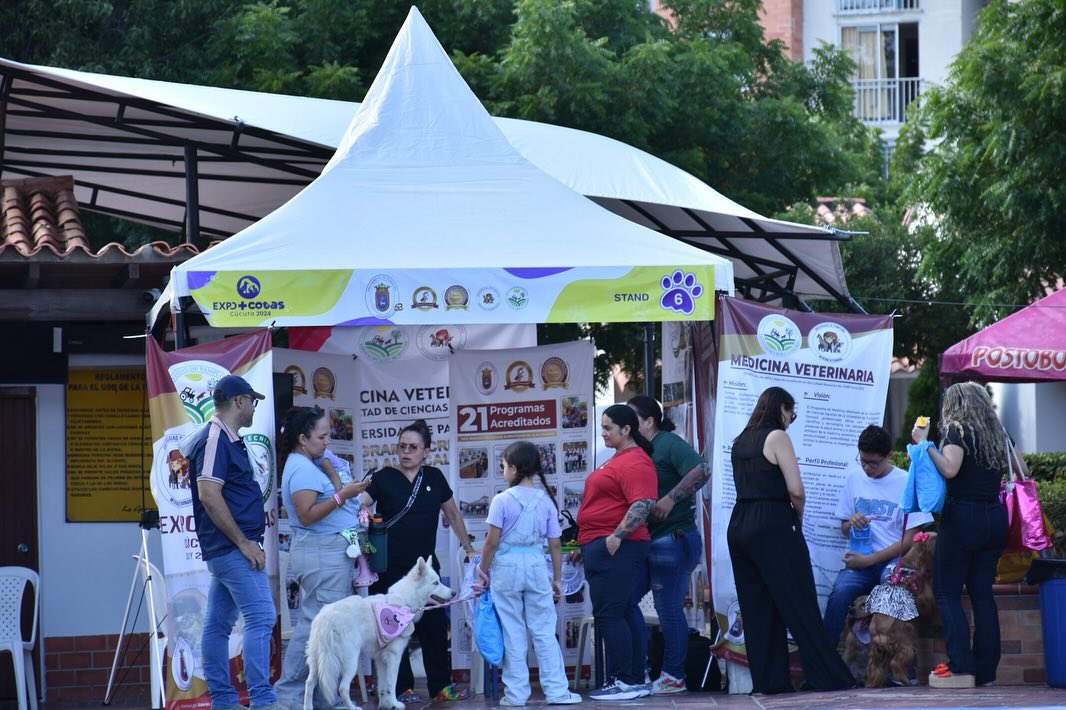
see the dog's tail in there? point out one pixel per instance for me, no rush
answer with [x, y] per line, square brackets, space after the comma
[324, 649]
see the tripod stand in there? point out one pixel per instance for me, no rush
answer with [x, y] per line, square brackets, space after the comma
[148, 575]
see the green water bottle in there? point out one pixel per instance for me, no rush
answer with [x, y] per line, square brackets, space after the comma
[377, 535]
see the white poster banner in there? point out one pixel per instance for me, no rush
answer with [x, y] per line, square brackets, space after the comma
[180, 384]
[836, 366]
[543, 395]
[401, 374]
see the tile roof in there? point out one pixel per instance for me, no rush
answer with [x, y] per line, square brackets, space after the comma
[834, 210]
[43, 245]
[40, 220]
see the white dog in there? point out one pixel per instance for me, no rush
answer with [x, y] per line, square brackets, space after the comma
[378, 626]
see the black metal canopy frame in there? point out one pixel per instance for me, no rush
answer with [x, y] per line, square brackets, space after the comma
[176, 169]
[129, 147]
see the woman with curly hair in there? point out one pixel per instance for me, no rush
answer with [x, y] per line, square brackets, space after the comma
[973, 531]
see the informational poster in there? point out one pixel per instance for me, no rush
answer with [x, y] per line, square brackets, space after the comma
[678, 403]
[836, 366]
[328, 382]
[109, 445]
[180, 384]
[400, 375]
[543, 395]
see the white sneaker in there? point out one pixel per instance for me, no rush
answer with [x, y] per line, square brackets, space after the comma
[568, 699]
[666, 684]
[617, 690]
[508, 703]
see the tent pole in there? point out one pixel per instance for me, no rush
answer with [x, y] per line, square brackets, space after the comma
[649, 360]
[192, 196]
[179, 329]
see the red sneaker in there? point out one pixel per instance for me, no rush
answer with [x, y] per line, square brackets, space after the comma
[942, 677]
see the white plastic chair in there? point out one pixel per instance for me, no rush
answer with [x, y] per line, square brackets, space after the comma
[13, 583]
[587, 622]
[477, 664]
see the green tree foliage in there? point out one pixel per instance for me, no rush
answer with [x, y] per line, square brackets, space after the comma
[996, 178]
[708, 94]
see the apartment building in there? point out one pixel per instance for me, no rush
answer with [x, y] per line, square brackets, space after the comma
[900, 47]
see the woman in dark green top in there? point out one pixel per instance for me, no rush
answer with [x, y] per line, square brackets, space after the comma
[675, 543]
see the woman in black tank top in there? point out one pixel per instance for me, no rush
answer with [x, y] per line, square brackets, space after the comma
[771, 563]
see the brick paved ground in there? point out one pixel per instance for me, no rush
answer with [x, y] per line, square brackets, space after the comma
[1000, 696]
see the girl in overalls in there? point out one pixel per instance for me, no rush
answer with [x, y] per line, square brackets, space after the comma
[512, 557]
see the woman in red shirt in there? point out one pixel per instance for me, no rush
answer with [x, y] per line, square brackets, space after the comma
[614, 545]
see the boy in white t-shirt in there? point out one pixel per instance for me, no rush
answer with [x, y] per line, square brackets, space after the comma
[870, 500]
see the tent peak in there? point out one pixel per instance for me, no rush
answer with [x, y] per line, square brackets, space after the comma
[419, 111]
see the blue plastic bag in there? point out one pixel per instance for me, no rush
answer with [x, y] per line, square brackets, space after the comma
[488, 634]
[925, 488]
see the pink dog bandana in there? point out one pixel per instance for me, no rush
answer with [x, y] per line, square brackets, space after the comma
[391, 621]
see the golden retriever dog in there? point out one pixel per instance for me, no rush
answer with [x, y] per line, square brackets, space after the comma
[857, 640]
[895, 608]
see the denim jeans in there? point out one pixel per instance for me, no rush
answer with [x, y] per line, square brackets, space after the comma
[618, 620]
[323, 570]
[667, 574]
[850, 584]
[972, 536]
[236, 588]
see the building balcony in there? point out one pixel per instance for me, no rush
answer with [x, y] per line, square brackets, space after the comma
[864, 7]
[884, 100]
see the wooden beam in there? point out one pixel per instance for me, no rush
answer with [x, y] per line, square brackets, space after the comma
[33, 274]
[133, 275]
[44, 304]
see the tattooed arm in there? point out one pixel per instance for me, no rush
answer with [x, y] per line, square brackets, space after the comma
[688, 485]
[634, 518]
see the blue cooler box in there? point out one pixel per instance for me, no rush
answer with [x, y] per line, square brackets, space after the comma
[1053, 619]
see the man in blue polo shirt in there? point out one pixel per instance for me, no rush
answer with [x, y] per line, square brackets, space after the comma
[228, 507]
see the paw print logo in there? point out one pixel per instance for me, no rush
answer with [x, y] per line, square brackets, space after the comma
[681, 291]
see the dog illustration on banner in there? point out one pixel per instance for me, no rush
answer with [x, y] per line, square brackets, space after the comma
[895, 607]
[378, 626]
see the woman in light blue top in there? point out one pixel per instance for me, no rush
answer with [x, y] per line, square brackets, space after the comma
[318, 511]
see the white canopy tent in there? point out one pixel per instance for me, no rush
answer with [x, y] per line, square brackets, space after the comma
[426, 207]
[144, 150]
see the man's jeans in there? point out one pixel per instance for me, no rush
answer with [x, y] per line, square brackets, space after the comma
[237, 588]
[667, 573]
[850, 584]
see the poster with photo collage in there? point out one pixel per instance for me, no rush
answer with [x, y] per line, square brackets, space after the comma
[543, 395]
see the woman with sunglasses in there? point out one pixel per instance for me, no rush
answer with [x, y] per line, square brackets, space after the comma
[410, 500]
[318, 511]
[771, 563]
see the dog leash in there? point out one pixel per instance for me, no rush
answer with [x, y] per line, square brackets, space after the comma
[444, 604]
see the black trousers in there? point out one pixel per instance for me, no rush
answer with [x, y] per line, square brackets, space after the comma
[619, 621]
[775, 588]
[432, 633]
[972, 537]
